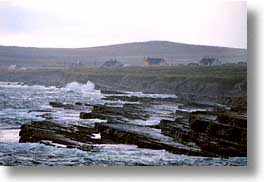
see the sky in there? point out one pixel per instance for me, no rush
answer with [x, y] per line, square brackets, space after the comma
[76, 23]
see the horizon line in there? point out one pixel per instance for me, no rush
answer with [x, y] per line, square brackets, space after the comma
[106, 45]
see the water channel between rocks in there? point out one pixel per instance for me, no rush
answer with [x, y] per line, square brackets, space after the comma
[78, 125]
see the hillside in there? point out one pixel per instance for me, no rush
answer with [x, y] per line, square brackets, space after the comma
[201, 80]
[128, 53]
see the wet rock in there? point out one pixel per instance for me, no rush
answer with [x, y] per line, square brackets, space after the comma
[91, 115]
[39, 110]
[233, 103]
[237, 104]
[221, 133]
[115, 114]
[196, 128]
[186, 113]
[81, 146]
[216, 129]
[233, 118]
[46, 116]
[138, 99]
[76, 106]
[112, 92]
[225, 137]
[179, 129]
[143, 137]
[86, 115]
[62, 105]
[68, 135]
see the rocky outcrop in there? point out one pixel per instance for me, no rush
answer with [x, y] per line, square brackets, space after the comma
[68, 135]
[116, 114]
[234, 103]
[76, 106]
[143, 137]
[198, 127]
[221, 133]
[139, 99]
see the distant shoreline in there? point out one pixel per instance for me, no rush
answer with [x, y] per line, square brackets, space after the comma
[215, 81]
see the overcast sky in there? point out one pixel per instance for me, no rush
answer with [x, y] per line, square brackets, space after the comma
[75, 23]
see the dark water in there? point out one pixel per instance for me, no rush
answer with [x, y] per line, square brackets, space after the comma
[20, 104]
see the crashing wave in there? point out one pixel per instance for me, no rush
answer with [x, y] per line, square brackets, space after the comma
[80, 88]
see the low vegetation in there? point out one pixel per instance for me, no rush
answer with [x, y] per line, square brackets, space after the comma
[223, 71]
[221, 80]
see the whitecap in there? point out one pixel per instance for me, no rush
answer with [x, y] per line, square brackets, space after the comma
[77, 87]
[141, 94]
[22, 85]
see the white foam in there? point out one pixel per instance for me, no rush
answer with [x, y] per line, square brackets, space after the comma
[9, 135]
[96, 136]
[141, 94]
[92, 121]
[22, 85]
[152, 121]
[20, 114]
[191, 110]
[80, 88]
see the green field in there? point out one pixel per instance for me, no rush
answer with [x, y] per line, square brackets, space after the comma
[221, 80]
[225, 71]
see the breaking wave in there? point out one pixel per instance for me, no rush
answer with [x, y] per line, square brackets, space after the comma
[79, 88]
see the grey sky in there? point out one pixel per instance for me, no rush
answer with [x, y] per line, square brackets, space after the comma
[101, 22]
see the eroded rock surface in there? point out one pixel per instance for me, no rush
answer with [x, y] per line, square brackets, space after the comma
[149, 121]
[221, 133]
[68, 135]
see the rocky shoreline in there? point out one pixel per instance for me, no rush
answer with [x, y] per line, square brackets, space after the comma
[182, 125]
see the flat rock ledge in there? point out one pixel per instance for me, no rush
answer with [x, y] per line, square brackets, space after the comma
[48, 132]
[196, 129]
[221, 133]
[144, 137]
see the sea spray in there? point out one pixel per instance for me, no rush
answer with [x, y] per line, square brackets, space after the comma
[80, 88]
[85, 90]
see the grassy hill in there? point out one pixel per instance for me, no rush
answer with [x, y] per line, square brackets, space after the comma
[128, 53]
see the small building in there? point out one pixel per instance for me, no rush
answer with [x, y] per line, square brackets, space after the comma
[154, 62]
[76, 65]
[112, 63]
[210, 61]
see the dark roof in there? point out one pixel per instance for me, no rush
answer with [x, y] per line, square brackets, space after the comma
[112, 63]
[155, 60]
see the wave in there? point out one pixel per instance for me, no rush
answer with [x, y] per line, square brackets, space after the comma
[22, 85]
[80, 88]
[32, 154]
[74, 87]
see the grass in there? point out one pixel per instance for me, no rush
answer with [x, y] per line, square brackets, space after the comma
[175, 72]
[215, 80]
